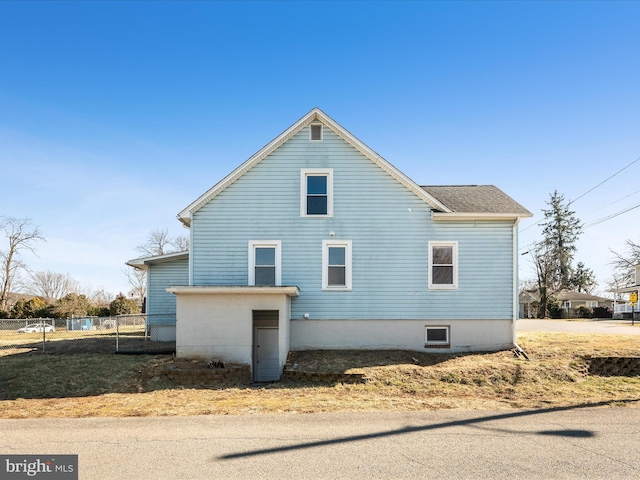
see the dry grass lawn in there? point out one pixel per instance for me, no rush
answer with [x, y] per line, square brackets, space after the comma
[103, 384]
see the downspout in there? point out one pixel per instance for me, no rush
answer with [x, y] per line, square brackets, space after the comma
[516, 303]
[190, 249]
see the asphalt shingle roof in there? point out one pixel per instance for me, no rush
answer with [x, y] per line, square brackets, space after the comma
[475, 199]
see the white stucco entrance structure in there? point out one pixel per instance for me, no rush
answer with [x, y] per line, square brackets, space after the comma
[230, 323]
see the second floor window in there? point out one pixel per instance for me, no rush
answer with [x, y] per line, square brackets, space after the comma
[316, 192]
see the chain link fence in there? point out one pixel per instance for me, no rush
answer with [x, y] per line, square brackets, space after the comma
[120, 334]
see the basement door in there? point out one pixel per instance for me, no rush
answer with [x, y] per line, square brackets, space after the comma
[266, 361]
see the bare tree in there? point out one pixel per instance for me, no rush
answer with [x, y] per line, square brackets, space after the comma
[158, 243]
[100, 298]
[51, 285]
[138, 283]
[616, 282]
[21, 235]
[545, 264]
[623, 264]
[181, 243]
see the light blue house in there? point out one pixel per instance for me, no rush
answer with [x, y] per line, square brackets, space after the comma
[317, 242]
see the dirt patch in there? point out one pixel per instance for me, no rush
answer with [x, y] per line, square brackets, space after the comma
[357, 361]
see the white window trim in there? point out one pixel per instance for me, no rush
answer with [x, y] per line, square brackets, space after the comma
[325, 265]
[441, 343]
[592, 303]
[304, 173]
[321, 132]
[252, 259]
[566, 304]
[440, 286]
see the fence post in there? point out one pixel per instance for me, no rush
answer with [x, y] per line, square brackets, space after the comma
[44, 334]
[117, 333]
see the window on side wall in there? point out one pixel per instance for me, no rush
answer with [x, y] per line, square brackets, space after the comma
[264, 263]
[437, 336]
[336, 265]
[316, 192]
[443, 265]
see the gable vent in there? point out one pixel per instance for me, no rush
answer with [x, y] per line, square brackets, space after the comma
[316, 132]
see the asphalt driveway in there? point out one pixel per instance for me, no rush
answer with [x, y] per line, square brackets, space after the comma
[617, 327]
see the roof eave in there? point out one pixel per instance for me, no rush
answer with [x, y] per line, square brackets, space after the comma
[633, 288]
[143, 263]
[290, 291]
[458, 216]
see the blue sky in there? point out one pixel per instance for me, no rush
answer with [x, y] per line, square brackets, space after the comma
[114, 116]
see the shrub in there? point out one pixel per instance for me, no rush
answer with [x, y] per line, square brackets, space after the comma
[584, 312]
[554, 307]
[602, 312]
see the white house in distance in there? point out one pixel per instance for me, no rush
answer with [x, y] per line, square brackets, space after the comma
[628, 309]
[317, 242]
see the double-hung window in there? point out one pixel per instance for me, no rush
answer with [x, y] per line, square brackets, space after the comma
[316, 192]
[264, 263]
[443, 265]
[336, 264]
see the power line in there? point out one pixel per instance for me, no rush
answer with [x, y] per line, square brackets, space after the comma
[604, 181]
[589, 191]
[613, 215]
[615, 201]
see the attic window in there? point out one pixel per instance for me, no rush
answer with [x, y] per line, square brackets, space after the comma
[316, 133]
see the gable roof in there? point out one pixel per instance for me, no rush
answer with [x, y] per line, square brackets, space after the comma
[476, 200]
[564, 295]
[572, 295]
[314, 116]
[447, 202]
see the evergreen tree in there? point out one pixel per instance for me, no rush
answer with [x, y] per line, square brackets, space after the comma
[583, 279]
[123, 306]
[72, 305]
[561, 230]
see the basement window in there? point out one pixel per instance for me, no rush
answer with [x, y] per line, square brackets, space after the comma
[436, 337]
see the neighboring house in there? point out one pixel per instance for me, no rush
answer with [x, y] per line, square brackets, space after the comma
[626, 309]
[529, 301]
[317, 242]
[570, 301]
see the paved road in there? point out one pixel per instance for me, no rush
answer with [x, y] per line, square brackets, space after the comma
[619, 327]
[580, 443]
